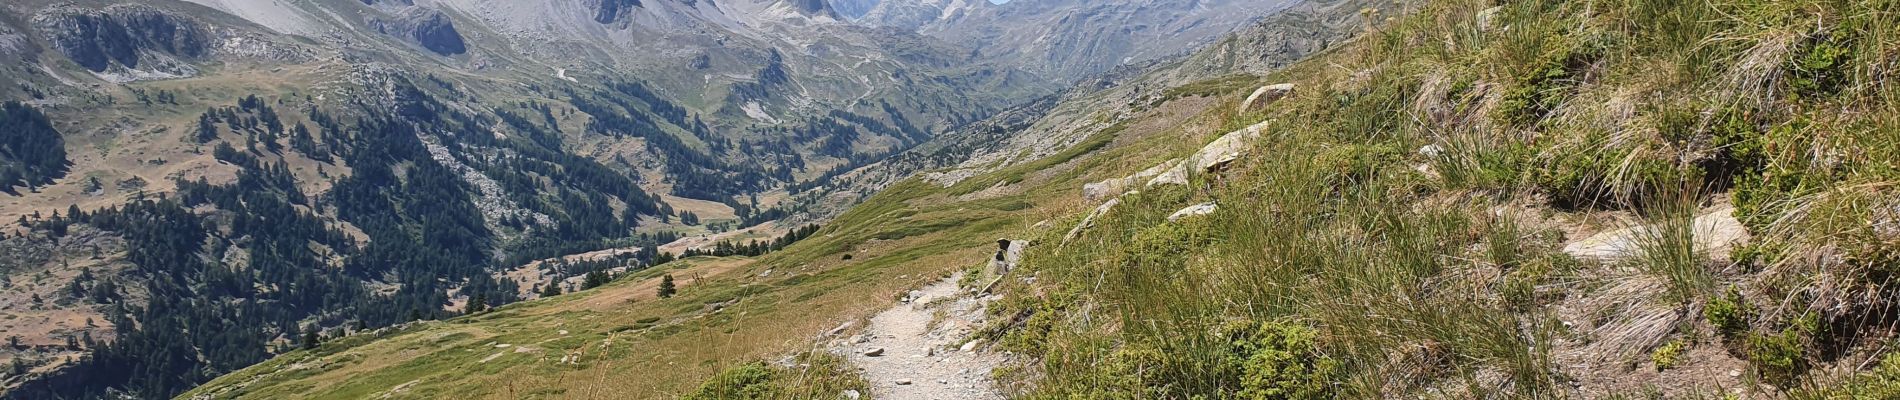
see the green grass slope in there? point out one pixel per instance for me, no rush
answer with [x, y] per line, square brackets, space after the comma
[1399, 232]
[733, 317]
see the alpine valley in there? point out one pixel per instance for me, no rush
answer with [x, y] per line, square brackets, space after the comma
[197, 186]
[949, 199]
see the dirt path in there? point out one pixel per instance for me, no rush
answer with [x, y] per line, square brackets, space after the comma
[921, 356]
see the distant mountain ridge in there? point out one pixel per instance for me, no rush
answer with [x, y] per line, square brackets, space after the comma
[1071, 39]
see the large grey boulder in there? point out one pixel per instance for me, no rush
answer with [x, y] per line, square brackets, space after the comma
[1009, 253]
[1265, 95]
[1213, 157]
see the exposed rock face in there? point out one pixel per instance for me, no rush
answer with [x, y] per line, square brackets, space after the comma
[853, 8]
[428, 27]
[611, 11]
[1069, 40]
[811, 6]
[1265, 95]
[1115, 186]
[1279, 40]
[14, 45]
[1213, 157]
[132, 37]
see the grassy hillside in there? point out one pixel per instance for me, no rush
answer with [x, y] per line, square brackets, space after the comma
[731, 313]
[1403, 229]
[1422, 217]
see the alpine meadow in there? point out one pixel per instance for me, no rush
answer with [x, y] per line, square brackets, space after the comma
[950, 199]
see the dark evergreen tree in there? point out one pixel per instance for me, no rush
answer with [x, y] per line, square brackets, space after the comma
[666, 286]
[32, 153]
[312, 337]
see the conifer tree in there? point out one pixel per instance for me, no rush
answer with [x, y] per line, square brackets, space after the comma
[666, 286]
[312, 337]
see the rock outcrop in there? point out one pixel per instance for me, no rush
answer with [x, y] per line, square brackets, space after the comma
[1263, 96]
[131, 37]
[1209, 159]
[811, 7]
[853, 9]
[1213, 157]
[611, 11]
[430, 28]
[1115, 186]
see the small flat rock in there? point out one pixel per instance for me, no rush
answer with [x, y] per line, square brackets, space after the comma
[840, 329]
[902, 382]
[874, 352]
[1193, 210]
[1715, 232]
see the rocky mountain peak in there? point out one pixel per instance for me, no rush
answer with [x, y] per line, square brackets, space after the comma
[811, 6]
[428, 27]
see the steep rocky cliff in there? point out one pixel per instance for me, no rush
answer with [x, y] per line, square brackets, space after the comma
[429, 28]
[131, 38]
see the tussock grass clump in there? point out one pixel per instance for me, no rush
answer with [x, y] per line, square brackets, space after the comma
[1667, 248]
[814, 375]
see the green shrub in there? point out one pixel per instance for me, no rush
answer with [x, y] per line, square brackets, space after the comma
[1728, 313]
[818, 375]
[1543, 87]
[1779, 358]
[1669, 354]
[747, 381]
[1281, 361]
[1882, 383]
[1820, 69]
[1032, 336]
[1519, 289]
[1167, 244]
[1765, 180]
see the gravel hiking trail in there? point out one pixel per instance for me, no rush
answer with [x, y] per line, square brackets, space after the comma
[913, 350]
